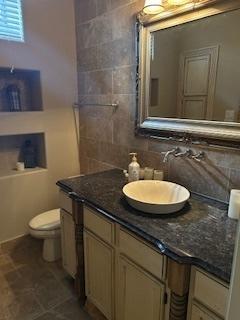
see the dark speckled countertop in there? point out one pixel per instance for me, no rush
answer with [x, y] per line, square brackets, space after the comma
[200, 234]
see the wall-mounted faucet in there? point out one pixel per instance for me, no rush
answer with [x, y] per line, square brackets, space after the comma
[168, 153]
[187, 153]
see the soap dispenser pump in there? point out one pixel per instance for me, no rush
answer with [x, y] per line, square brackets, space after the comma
[133, 168]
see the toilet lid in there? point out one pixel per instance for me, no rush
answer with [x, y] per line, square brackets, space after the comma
[49, 220]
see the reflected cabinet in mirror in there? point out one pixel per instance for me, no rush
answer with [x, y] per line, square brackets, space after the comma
[189, 75]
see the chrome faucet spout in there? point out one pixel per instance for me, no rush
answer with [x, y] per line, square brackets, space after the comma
[186, 153]
[168, 153]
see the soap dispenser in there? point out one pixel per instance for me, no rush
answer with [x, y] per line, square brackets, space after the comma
[133, 168]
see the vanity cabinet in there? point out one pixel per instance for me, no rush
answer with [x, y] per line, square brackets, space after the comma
[207, 298]
[99, 264]
[69, 257]
[200, 313]
[123, 275]
[140, 296]
[98, 236]
[140, 276]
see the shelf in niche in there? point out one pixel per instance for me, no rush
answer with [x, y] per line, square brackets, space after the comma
[10, 153]
[5, 174]
[28, 84]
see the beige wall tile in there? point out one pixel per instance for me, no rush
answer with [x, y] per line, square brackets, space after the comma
[234, 179]
[110, 134]
[124, 81]
[103, 6]
[86, 10]
[87, 59]
[204, 178]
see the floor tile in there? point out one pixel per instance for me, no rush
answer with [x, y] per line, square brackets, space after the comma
[23, 250]
[32, 289]
[6, 263]
[71, 310]
[49, 291]
[51, 316]
[24, 307]
[4, 315]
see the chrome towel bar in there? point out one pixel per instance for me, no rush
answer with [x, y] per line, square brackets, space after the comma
[113, 105]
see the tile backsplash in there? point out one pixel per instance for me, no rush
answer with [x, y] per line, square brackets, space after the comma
[106, 73]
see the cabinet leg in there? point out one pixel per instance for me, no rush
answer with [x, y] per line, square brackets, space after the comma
[79, 278]
[178, 283]
[178, 307]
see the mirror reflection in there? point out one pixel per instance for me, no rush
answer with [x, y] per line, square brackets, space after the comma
[195, 70]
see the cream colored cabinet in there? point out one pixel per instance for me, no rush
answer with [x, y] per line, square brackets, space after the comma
[69, 259]
[143, 255]
[199, 313]
[123, 275]
[207, 298]
[99, 265]
[140, 296]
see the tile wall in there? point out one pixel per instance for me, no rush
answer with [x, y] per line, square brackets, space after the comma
[106, 72]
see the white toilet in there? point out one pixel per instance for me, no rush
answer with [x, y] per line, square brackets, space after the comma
[46, 226]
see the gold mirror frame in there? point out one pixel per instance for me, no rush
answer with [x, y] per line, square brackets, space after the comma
[201, 132]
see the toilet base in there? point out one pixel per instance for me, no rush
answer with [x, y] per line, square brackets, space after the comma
[52, 249]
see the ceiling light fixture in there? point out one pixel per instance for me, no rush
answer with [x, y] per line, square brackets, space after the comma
[153, 6]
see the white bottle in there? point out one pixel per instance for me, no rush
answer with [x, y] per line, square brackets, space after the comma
[234, 204]
[133, 169]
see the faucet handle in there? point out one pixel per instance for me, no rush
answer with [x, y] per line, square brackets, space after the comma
[199, 156]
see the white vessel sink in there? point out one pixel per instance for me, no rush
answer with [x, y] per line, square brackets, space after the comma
[158, 197]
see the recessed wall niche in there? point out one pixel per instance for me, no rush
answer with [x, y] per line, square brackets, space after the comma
[20, 90]
[11, 147]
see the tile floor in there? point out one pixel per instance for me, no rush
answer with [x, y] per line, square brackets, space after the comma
[32, 289]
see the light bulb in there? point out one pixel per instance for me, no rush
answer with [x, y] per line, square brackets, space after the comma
[153, 6]
[178, 2]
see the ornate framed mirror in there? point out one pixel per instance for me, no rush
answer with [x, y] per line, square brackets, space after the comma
[189, 73]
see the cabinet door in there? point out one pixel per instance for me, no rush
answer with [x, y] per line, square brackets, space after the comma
[201, 314]
[140, 296]
[99, 266]
[68, 243]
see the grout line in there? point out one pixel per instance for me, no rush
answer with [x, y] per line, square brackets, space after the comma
[113, 68]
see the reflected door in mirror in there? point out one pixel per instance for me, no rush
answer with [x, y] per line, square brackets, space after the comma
[197, 76]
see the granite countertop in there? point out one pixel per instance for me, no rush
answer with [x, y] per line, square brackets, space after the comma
[200, 234]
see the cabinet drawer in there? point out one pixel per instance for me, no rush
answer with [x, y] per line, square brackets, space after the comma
[142, 254]
[98, 225]
[202, 314]
[211, 293]
[65, 202]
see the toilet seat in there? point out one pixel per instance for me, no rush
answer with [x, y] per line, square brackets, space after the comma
[47, 221]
